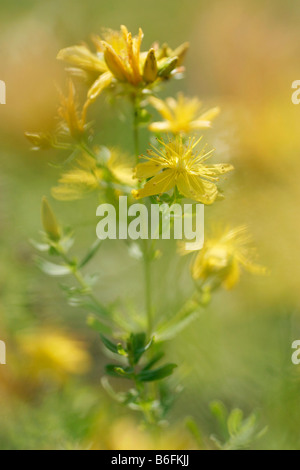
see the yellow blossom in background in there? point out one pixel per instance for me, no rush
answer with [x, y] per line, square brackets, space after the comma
[224, 256]
[53, 354]
[124, 434]
[121, 165]
[88, 175]
[181, 115]
[79, 181]
[73, 122]
[119, 58]
[177, 164]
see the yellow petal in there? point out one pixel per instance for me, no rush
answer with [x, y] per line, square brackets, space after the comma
[233, 275]
[199, 124]
[133, 61]
[210, 114]
[99, 85]
[160, 184]
[121, 165]
[163, 126]
[218, 169]
[114, 63]
[147, 169]
[193, 187]
[82, 57]
[161, 107]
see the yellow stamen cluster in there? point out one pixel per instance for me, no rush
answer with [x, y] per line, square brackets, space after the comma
[177, 164]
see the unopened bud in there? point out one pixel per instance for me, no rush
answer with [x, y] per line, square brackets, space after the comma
[167, 66]
[150, 67]
[49, 222]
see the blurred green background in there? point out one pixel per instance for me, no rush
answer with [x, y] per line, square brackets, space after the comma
[243, 57]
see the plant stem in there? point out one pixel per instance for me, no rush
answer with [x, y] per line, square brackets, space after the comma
[148, 288]
[136, 140]
[80, 279]
[146, 250]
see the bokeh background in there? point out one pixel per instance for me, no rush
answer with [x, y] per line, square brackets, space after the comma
[244, 57]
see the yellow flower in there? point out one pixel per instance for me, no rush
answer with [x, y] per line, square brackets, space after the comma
[119, 59]
[83, 58]
[121, 165]
[223, 257]
[79, 181]
[73, 123]
[181, 115]
[54, 354]
[89, 175]
[178, 165]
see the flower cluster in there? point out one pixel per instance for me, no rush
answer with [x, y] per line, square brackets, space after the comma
[174, 170]
[118, 59]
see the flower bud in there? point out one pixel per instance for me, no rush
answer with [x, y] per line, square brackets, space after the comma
[50, 224]
[180, 52]
[150, 67]
[167, 66]
[39, 140]
[114, 63]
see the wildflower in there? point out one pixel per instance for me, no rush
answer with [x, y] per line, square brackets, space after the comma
[79, 181]
[54, 354]
[119, 59]
[178, 165]
[82, 58]
[121, 166]
[90, 175]
[73, 123]
[49, 221]
[181, 115]
[223, 257]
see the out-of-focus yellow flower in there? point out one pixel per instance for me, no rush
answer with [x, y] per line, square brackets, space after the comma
[223, 257]
[181, 115]
[88, 175]
[49, 221]
[122, 435]
[73, 122]
[83, 58]
[121, 165]
[119, 58]
[79, 181]
[53, 354]
[177, 164]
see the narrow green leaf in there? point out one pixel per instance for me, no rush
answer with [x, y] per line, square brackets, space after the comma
[153, 361]
[119, 371]
[91, 253]
[109, 345]
[175, 326]
[53, 269]
[234, 422]
[195, 432]
[157, 374]
[97, 326]
[43, 247]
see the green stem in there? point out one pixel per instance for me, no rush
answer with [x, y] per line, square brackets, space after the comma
[146, 250]
[148, 288]
[80, 279]
[136, 139]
